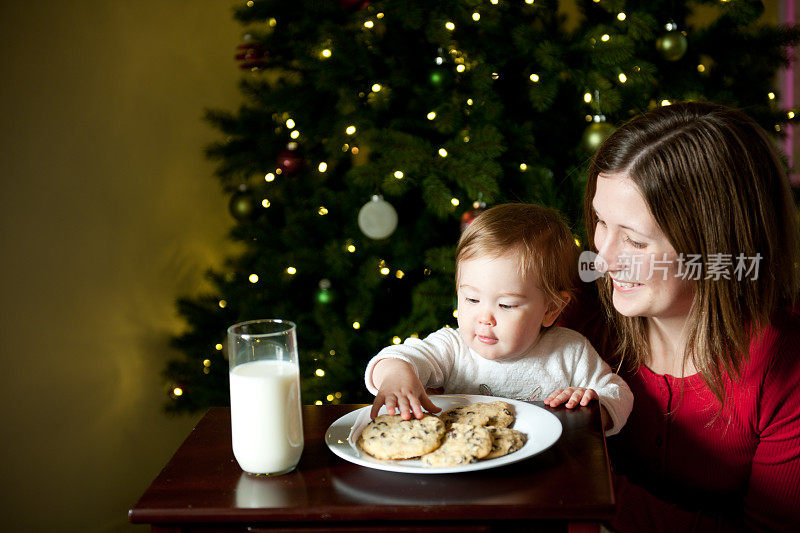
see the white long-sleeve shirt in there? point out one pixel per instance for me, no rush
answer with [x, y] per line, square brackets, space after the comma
[559, 358]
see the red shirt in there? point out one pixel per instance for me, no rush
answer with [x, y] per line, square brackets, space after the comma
[703, 469]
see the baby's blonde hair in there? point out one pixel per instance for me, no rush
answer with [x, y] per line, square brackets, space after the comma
[540, 238]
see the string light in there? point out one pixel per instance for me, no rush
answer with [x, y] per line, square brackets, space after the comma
[223, 304]
[326, 53]
[354, 150]
[351, 248]
[621, 16]
[460, 68]
[356, 325]
[577, 242]
[322, 211]
[319, 372]
[250, 3]
[396, 340]
[790, 114]
[431, 115]
[265, 203]
[218, 347]
[442, 152]
[177, 391]
[455, 313]
[771, 96]
[290, 123]
[269, 177]
[454, 201]
[369, 24]
[622, 77]
[318, 402]
[605, 37]
[398, 174]
[379, 15]
[450, 26]
[291, 271]
[529, 2]
[523, 167]
[587, 97]
[701, 68]
[385, 271]
[207, 363]
[376, 88]
[665, 102]
[253, 278]
[329, 397]
[272, 22]
[534, 78]
[323, 166]
[399, 274]
[469, 101]
[295, 134]
[350, 130]
[476, 16]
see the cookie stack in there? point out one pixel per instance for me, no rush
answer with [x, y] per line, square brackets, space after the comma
[459, 436]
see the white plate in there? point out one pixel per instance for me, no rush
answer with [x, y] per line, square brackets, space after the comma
[542, 428]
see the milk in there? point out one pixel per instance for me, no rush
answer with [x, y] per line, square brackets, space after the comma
[266, 422]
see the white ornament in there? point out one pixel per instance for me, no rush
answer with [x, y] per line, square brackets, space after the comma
[377, 218]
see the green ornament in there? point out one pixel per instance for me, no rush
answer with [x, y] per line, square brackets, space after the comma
[439, 77]
[672, 45]
[595, 134]
[242, 205]
[324, 294]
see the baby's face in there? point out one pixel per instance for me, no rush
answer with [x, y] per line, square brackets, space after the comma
[500, 314]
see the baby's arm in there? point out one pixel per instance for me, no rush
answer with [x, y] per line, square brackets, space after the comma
[399, 388]
[590, 373]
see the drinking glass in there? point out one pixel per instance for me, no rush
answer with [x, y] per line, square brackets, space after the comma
[266, 421]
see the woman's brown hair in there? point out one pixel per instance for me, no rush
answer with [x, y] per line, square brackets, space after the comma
[714, 183]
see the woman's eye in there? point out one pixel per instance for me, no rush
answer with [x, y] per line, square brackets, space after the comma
[635, 244]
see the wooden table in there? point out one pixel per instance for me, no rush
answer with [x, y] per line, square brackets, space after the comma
[202, 488]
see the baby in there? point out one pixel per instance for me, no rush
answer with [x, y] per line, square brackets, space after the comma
[516, 267]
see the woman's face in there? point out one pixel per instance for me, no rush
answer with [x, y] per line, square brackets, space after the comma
[635, 254]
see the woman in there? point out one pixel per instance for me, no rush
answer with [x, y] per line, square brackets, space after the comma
[692, 218]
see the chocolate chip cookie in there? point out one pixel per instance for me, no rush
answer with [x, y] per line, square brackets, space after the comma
[391, 437]
[462, 444]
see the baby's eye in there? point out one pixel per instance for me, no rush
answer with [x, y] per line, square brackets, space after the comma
[600, 223]
[507, 306]
[471, 300]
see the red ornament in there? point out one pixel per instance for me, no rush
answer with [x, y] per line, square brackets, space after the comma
[290, 162]
[251, 56]
[469, 216]
[354, 4]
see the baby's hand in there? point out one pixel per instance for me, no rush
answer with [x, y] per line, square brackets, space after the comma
[401, 390]
[572, 395]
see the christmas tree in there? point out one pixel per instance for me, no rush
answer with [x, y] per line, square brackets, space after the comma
[372, 131]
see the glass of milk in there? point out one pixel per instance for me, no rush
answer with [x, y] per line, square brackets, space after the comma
[266, 421]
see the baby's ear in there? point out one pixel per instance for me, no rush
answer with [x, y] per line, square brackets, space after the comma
[554, 309]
